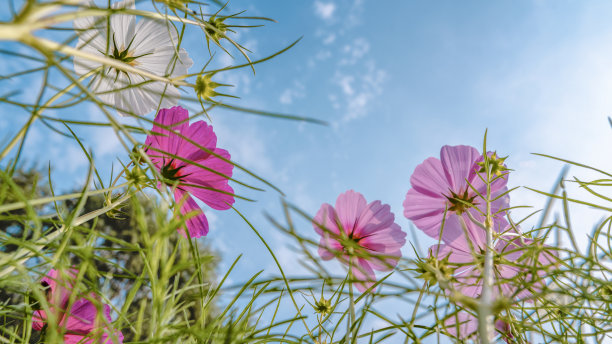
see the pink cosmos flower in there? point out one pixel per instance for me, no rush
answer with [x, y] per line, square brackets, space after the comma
[188, 169]
[513, 261]
[440, 185]
[515, 257]
[361, 234]
[82, 323]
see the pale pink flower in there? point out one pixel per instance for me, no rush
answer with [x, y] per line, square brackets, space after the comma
[464, 325]
[360, 234]
[515, 257]
[440, 185]
[513, 260]
[188, 169]
[82, 322]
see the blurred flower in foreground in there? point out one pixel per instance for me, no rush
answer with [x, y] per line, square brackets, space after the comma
[466, 325]
[360, 233]
[440, 185]
[189, 169]
[87, 321]
[515, 259]
[148, 45]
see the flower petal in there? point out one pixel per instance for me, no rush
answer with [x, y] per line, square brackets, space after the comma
[211, 188]
[176, 119]
[461, 325]
[426, 212]
[325, 222]
[197, 225]
[428, 178]
[458, 163]
[349, 206]
[373, 218]
[363, 272]
[202, 134]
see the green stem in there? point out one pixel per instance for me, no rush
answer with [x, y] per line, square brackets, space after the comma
[351, 317]
[485, 306]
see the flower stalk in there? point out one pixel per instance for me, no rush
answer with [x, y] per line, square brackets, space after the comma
[485, 306]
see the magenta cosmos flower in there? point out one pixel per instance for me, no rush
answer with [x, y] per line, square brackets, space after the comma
[440, 185]
[189, 169]
[82, 323]
[361, 234]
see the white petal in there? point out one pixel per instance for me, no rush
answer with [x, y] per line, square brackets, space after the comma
[83, 65]
[122, 25]
[153, 35]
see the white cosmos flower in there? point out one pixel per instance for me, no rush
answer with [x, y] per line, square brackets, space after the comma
[147, 44]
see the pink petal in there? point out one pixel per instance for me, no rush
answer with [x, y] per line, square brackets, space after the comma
[196, 224]
[60, 286]
[38, 320]
[385, 241]
[375, 217]
[99, 336]
[454, 255]
[219, 196]
[329, 248]
[349, 206]
[211, 188]
[386, 262]
[325, 220]
[176, 119]
[81, 317]
[203, 135]
[462, 325]
[458, 164]
[428, 178]
[504, 329]
[426, 212]
[362, 271]
[455, 229]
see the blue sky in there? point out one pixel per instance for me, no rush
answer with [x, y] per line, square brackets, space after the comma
[396, 80]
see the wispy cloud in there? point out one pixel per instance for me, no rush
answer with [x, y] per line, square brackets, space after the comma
[290, 94]
[359, 91]
[358, 80]
[324, 10]
[354, 51]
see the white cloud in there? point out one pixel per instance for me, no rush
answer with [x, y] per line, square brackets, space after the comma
[325, 10]
[290, 94]
[355, 51]
[329, 39]
[346, 82]
[358, 90]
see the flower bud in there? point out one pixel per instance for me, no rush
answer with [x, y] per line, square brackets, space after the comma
[323, 306]
[215, 29]
[433, 270]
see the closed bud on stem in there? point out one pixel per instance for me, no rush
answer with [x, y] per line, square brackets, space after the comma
[323, 306]
[137, 177]
[496, 165]
[215, 29]
[434, 271]
[116, 212]
[205, 87]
